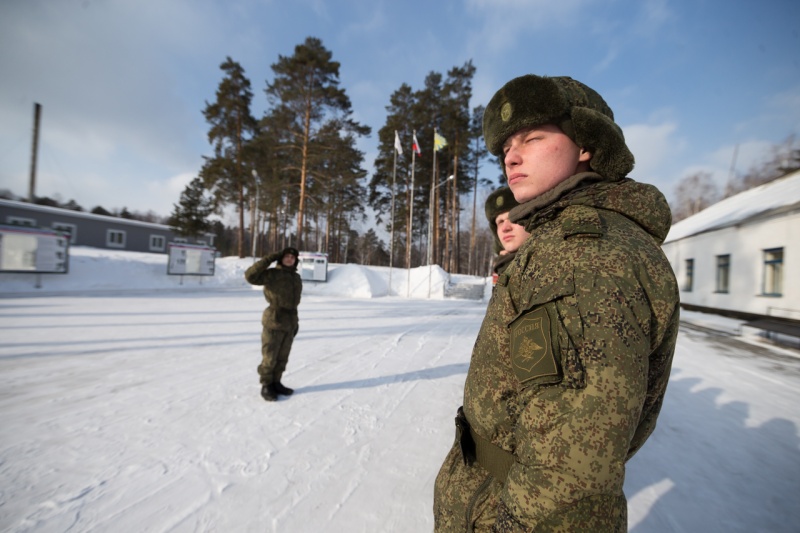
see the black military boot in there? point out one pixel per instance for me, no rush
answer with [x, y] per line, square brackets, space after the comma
[280, 388]
[269, 393]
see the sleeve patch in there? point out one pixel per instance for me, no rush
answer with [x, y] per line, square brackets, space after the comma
[532, 350]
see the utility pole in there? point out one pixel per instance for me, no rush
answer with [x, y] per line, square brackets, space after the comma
[37, 113]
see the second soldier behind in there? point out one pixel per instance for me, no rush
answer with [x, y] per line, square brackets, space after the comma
[508, 236]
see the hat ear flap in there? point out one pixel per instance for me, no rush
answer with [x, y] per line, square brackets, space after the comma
[602, 137]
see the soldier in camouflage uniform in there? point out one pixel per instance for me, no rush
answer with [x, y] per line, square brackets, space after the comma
[508, 236]
[282, 289]
[571, 363]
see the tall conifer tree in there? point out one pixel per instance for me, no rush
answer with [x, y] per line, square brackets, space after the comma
[306, 87]
[232, 127]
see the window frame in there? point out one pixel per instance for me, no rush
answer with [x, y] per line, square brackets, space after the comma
[111, 242]
[723, 277]
[688, 278]
[772, 279]
[154, 247]
[73, 230]
[13, 220]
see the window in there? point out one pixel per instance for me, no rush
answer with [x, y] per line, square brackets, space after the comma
[157, 243]
[773, 272]
[71, 230]
[115, 238]
[689, 279]
[20, 221]
[723, 273]
[180, 240]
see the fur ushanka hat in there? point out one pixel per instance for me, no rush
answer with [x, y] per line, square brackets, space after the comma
[290, 251]
[499, 202]
[577, 109]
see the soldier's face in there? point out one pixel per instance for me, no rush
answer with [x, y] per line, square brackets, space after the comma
[288, 260]
[511, 235]
[539, 158]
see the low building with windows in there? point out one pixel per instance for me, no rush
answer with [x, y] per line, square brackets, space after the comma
[97, 231]
[741, 257]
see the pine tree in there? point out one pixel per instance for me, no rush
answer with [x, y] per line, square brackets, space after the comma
[338, 184]
[306, 89]
[232, 126]
[442, 104]
[190, 215]
[479, 154]
[457, 127]
[387, 181]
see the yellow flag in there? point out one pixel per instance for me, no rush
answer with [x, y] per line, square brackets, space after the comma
[439, 142]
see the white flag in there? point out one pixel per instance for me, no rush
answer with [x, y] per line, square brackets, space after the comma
[397, 145]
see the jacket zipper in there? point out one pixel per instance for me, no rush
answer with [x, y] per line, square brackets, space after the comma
[474, 500]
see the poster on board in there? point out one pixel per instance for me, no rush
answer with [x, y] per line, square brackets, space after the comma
[191, 260]
[33, 250]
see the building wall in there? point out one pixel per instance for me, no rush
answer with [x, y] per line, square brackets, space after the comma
[88, 229]
[746, 245]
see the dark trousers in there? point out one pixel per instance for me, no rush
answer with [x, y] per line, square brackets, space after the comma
[275, 347]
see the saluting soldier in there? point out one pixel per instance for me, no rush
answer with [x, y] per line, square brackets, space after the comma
[282, 289]
[570, 367]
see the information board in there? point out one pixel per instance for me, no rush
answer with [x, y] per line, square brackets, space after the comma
[191, 260]
[33, 250]
[313, 266]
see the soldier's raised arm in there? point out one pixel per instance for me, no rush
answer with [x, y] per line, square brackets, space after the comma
[255, 273]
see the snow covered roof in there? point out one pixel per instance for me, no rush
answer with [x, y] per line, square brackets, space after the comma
[80, 214]
[780, 194]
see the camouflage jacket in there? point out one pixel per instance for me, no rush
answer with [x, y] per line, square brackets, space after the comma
[282, 289]
[501, 262]
[571, 363]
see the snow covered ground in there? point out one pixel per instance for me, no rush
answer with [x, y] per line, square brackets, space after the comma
[129, 401]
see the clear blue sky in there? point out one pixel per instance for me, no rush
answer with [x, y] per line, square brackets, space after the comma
[123, 83]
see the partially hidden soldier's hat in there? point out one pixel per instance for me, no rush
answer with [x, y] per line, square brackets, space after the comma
[577, 109]
[499, 202]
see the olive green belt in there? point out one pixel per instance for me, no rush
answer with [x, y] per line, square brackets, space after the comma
[476, 448]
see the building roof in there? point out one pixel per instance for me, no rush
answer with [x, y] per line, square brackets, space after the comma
[81, 214]
[782, 194]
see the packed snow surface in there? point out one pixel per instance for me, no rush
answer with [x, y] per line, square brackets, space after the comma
[129, 401]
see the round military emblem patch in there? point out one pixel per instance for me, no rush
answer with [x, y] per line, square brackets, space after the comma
[505, 112]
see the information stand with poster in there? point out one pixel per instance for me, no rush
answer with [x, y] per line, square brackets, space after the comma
[33, 250]
[313, 266]
[191, 260]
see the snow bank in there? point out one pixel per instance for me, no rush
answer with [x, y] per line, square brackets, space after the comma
[92, 269]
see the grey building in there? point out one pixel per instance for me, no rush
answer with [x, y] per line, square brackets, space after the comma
[97, 231]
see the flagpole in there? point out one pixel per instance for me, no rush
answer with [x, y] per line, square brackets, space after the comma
[410, 221]
[431, 217]
[391, 232]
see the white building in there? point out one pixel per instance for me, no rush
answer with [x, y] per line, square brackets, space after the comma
[741, 257]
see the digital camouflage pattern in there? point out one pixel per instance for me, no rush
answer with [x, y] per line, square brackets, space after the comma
[282, 290]
[571, 363]
[501, 262]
